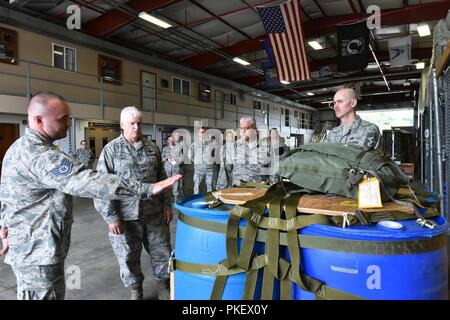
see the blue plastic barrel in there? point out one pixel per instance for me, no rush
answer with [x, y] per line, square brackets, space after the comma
[196, 245]
[420, 271]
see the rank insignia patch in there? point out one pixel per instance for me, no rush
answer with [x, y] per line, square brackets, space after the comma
[64, 168]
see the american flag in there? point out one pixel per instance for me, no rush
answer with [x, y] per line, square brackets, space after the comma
[283, 24]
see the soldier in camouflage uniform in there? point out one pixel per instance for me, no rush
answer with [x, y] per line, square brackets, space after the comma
[275, 148]
[227, 157]
[84, 154]
[247, 161]
[172, 159]
[201, 153]
[37, 185]
[135, 223]
[215, 146]
[352, 130]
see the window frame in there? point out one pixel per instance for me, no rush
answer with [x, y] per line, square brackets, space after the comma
[181, 86]
[64, 56]
[287, 117]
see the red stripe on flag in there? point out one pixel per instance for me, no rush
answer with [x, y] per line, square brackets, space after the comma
[282, 62]
[298, 41]
[289, 57]
[276, 55]
[291, 35]
[288, 47]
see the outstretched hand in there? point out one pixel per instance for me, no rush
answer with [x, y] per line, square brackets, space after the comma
[165, 184]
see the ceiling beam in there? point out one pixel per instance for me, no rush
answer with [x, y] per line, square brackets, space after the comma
[382, 55]
[220, 19]
[352, 5]
[318, 84]
[367, 89]
[201, 61]
[116, 19]
[389, 17]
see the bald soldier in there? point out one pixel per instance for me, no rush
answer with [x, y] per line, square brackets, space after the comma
[37, 184]
[352, 130]
[137, 223]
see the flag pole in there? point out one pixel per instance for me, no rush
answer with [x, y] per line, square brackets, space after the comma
[379, 67]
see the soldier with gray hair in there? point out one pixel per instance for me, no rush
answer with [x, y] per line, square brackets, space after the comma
[37, 185]
[247, 165]
[134, 223]
[352, 130]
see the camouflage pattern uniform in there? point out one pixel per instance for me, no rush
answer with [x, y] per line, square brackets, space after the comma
[85, 156]
[361, 133]
[201, 153]
[176, 167]
[216, 147]
[227, 158]
[38, 181]
[143, 220]
[272, 154]
[247, 165]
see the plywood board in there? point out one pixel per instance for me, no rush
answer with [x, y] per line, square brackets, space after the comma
[312, 204]
[336, 205]
[239, 195]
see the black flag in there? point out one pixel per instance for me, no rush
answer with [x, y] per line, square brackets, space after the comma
[353, 46]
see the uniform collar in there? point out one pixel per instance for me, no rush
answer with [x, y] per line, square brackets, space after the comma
[138, 145]
[355, 125]
[251, 145]
[37, 136]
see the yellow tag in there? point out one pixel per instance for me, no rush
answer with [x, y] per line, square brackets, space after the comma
[348, 203]
[369, 195]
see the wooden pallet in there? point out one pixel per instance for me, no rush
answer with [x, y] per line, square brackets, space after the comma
[312, 204]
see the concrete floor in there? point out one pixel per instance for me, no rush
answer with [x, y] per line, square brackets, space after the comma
[91, 251]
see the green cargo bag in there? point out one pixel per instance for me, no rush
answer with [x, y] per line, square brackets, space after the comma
[337, 168]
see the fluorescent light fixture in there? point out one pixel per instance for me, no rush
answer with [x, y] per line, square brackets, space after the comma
[327, 102]
[144, 15]
[372, 65]
[206, 90]
[284, 82]
[388, 30]
[58, 53]
[420, 65]
[423, 29]
[315, 45]
[241, 61]
[310, 94]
